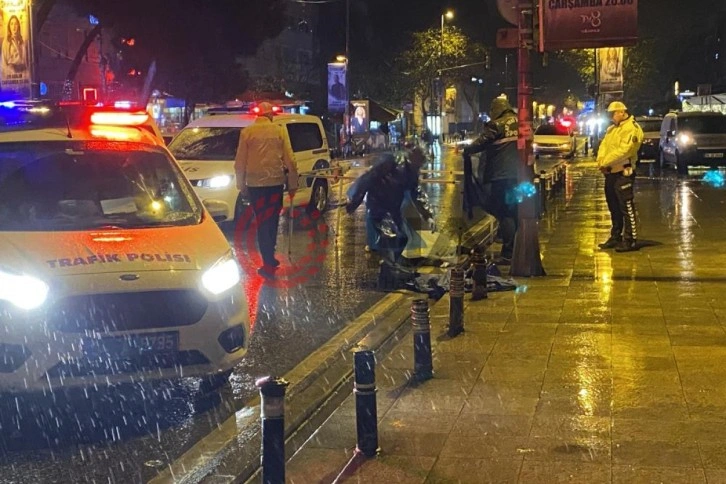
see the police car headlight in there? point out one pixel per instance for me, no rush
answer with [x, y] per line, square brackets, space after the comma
[222, 276]
[25, 292]
[565, 145]
[221, 181]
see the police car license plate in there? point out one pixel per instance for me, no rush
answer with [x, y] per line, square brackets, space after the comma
[713, 155]
[132, 345]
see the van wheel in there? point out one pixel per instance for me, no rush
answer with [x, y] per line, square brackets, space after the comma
[318, 197]
[661, 160]
[681, 165]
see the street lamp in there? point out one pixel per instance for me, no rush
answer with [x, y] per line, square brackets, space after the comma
[448, 15]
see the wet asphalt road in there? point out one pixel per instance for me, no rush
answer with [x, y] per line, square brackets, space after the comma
[325, 281]
[122, 438]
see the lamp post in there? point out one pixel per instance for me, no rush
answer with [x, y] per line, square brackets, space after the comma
[448, 15]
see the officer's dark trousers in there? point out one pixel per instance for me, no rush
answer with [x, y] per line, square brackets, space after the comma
[620, 195]
[266, 203]
[503, 206]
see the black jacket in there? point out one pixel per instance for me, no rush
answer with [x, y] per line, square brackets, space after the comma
[386, 184]
[499, 142]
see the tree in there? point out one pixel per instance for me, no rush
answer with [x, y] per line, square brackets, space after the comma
[450, 58]
[195, 44]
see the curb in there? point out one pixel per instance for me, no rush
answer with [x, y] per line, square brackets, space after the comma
[318, 385]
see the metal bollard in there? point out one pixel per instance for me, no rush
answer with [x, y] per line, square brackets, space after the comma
[479, 275]
[366, 412]
[456, 302]
[423, 368]
[272, 393]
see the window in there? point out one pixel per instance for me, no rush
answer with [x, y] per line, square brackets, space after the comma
[206, 144]
[704, 124]
[304, 136]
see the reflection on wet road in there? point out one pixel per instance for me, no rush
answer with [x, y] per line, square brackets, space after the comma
[129, 436]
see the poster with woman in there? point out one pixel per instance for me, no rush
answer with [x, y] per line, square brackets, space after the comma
[15, 49]
[610, 61]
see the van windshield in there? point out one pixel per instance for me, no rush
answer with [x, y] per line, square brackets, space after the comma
[60, 186]
[213, 144]
[704, 124]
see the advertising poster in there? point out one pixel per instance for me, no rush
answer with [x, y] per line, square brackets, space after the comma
[450, 100]
[610, 68]
[15, 46]
[580, 24]
[360, 122]
[337, 92]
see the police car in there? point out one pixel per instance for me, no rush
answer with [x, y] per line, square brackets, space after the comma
[111, 269]
[207, 146]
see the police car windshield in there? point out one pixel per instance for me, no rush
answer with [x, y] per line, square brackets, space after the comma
[81, 185]
[205, 144]
[650, 125]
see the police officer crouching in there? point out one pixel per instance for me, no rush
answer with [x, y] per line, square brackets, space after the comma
[616, 159]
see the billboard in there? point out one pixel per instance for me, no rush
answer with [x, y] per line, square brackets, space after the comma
[337, 91]
[15, 53]
[610, 69]
[360, 121]
[580, 24]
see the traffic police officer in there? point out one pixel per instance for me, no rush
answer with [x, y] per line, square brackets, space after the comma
[616, 158]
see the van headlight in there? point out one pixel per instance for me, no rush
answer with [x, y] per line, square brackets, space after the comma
[25, 292]
[222, 276]
[221, 181]
[685, 139]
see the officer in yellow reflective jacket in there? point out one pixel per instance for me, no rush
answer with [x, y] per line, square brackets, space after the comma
[616, 158]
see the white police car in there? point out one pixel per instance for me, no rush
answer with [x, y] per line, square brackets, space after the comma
[111, 270]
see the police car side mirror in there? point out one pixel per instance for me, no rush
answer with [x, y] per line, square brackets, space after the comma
[217, 210]
[670, 133]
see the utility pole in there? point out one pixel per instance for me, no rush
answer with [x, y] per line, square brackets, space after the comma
[526, 261]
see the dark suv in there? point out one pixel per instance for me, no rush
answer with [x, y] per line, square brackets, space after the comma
[692, 139]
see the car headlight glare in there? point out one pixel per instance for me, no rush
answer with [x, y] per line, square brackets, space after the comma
[222, 276]
[685, 139]
[535, 146]
[25, 292]
[220, 181]
[565, 145]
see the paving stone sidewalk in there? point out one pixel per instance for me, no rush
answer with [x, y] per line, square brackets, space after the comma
[610, 369]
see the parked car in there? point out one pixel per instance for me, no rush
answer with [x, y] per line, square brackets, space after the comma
[206, 148]
[692, 139]
[554, 139]
[651, 136]
[111, 270]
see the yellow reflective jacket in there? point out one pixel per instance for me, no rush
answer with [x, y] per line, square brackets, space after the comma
[620, 146]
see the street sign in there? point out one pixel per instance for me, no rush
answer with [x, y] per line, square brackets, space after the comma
[507, 38]
[508, 10]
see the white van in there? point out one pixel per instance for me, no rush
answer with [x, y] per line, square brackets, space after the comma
[206, 148]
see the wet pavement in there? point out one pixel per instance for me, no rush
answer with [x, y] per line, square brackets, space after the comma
[609, 369]
[127, 437]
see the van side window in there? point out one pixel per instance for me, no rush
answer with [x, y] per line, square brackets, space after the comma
[304, 136]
